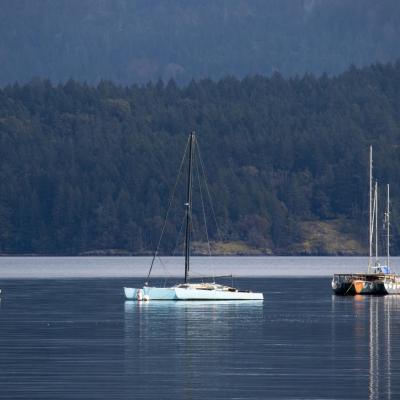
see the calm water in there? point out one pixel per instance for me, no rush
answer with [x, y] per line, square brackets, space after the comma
[79, 339]
[109, 267]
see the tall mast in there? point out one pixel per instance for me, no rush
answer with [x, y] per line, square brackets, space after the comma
[376, 222]
[370, 209]
[388, 228]
[189, 207]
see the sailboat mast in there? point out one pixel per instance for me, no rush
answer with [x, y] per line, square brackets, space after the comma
[376, 222]
[189, 207]
[388, 228]
[370, 209]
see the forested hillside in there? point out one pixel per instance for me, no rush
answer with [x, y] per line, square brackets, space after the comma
[130, 41]
[91, 167]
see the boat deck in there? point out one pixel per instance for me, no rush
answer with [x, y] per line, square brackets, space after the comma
[361, 276]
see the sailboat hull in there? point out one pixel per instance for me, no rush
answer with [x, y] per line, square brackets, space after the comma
[155, 293]
[175, 293]
[369, 287]
[150, 293]
[392, 286]
[198, 294]
[130, 293]
[351, 284]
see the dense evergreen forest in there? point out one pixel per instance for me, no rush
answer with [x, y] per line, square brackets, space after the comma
[134, 41]
[91, 167]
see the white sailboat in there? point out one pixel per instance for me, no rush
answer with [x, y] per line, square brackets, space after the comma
[187, 290]
[373, 282]
[392, 281]
[392, 284]
[370, 282]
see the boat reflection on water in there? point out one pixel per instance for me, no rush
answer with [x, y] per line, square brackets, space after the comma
[206, 304]
[372, 324]
[175, 318]
[384, 352]
[392, 354]
[177, 344]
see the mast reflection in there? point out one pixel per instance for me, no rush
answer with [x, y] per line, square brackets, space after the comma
[383, 350]
[365, 340]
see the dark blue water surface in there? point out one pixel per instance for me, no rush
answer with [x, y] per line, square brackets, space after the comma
[79, 339]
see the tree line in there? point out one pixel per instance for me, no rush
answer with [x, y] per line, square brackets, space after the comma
[86, 167]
